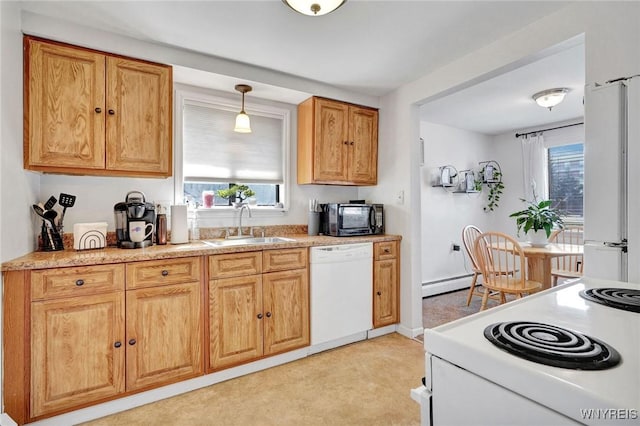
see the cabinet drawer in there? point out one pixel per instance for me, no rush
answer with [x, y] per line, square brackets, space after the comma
[235, 264]
[281, 260]
[64, 282]
[162, 272]
[385, 250]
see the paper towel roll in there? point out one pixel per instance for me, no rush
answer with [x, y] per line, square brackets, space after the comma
[179, 228]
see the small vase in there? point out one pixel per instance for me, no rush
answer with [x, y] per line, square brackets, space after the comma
[538, 238]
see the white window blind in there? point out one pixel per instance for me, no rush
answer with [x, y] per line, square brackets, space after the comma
[213, 152]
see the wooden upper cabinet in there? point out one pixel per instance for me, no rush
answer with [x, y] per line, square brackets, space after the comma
[63, 92]
[139, 116]
[92, 113]
[337, 143]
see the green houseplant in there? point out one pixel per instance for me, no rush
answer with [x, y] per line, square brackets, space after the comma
[538, 218]
[237, 193]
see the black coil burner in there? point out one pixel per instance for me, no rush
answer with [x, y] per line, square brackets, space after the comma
[551, 345]
[619, 298]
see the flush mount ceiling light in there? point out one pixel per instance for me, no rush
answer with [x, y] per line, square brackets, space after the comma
[243, 124]
[314, 7]
[551, 97]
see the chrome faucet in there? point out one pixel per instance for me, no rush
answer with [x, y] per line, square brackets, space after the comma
[242, 207]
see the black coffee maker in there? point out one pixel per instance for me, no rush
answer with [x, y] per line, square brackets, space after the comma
[134, 209]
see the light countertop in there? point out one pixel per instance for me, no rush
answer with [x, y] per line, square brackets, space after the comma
[70, 257]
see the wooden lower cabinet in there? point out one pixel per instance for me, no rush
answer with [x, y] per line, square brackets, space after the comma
[386, 284]
[163, 335]
[286, 306]
[78, 353]
[235, 320]
[251, 316]
[83, 335]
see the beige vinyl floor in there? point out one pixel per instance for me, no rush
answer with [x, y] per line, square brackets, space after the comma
[365, 383]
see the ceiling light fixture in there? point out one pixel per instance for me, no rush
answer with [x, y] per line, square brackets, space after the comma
[314, 7]
[243, 124]
[551, 97]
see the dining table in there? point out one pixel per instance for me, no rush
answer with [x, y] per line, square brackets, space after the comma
[539, 259]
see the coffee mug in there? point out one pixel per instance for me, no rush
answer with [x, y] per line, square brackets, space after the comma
[138, 230]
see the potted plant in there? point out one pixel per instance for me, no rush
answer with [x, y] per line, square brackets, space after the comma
[537, 221]
[236, 194]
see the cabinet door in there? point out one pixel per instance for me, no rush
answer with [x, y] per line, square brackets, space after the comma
[385, 292]
[164, 334]
[139, 117]
[331, 147]
[363, 145]
[78, 351]
[64, 107]
[286, 310]
[236, 320]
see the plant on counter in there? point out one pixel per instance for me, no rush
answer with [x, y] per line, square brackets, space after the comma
[237, 193]
[495, 190]
[538, 216]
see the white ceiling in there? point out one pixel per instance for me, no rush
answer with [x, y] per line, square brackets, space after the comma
[504, 103]
[368, 47]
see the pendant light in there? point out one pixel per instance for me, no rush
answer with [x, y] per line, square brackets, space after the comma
[550, 97]
[314, 7]
[243, 124]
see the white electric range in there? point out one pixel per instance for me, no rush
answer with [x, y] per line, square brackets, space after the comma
[470, 380]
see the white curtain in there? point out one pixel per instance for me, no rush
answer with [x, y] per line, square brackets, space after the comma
[533, 167]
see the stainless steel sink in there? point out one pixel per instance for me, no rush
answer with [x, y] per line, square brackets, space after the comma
[247, 241]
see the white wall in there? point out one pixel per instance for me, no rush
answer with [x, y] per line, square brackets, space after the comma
[611, 32]
[445, 213]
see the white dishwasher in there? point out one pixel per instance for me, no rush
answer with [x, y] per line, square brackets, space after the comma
[341, 294]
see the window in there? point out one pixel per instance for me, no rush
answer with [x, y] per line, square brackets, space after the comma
[210, 156]
[565, 166]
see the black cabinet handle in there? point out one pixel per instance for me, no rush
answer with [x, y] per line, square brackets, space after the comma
[79, 282]
[111, 112]
[117, 344]
[259, 316]
[351, 143]
[387, 251]
[268, 314]
[98, 110]
[379, 293]
[132, 342]
[346, 142]
[165, 272]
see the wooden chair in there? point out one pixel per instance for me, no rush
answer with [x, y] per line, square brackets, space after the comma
[567, 266]
[469, 235]
[497, 252]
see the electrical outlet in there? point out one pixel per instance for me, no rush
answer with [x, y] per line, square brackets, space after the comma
[455, 247]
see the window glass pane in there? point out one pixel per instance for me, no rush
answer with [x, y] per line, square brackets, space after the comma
[266, 194]
[566, 178]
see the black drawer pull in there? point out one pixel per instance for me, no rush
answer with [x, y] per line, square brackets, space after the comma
[379, 293]
[165, 272]
[79, 282]
[98, 110]
[132, 342]
[268, 314]
[117, 344]
[387, 250]
[259, 316]
[111, 112]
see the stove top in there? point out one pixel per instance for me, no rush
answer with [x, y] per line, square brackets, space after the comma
[552, 345]
[550, 313]
[619, 298]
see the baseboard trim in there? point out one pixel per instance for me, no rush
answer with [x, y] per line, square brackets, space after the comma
[444, 286]
[5, 420]
[410, 332]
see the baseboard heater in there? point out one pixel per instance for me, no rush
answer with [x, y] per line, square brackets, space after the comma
[431, 288]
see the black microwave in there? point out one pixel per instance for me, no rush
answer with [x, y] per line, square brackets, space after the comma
[344, 220]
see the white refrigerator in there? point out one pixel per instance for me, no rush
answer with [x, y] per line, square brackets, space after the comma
[612, 181]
